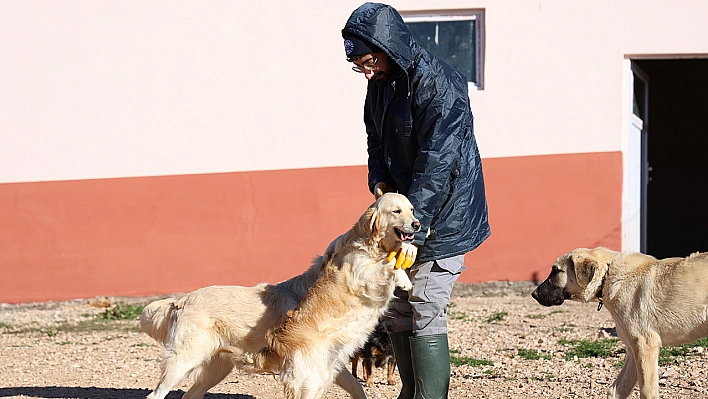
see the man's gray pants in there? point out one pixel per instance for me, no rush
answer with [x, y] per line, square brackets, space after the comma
[423, 309]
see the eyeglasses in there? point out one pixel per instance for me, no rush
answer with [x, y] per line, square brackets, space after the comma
[367, 66]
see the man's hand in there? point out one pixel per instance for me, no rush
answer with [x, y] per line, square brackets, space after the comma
[405, 256]
[380, 188]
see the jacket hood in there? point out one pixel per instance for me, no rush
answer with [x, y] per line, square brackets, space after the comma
[382, 26]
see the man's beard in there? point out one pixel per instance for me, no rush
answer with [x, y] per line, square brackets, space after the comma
[385, 77]
[381, 79]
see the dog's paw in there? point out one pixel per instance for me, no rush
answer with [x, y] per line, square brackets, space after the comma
[402, 280]
[405, 285]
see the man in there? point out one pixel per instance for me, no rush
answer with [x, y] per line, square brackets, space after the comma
[421, 144]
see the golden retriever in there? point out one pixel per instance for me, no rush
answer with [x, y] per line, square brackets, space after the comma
[342, 308]
[653, 302]
[192, 327]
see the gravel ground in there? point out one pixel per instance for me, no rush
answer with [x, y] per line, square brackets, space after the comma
[58, 350]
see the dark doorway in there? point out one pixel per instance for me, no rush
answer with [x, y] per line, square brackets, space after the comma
[677, 194]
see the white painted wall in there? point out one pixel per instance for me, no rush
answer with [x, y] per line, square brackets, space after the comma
[101, 89]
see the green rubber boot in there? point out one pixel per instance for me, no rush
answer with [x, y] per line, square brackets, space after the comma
[402, 350]
[431, 366]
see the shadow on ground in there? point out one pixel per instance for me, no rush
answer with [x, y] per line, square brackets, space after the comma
[100, 393]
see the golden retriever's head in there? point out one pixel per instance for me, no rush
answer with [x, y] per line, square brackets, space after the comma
[389, 220]
[575, 275]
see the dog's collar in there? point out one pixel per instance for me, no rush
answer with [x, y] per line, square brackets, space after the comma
[599, 293]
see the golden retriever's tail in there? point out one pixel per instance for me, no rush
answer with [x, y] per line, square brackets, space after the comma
[155, 319]
[263, 361]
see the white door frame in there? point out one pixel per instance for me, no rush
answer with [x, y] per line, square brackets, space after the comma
[634, 162]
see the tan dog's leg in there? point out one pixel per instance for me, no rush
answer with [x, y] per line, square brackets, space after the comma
[173, 372]
[312, 386]
[647, 359]
[627, 378]
[350, 384]
[211, 374]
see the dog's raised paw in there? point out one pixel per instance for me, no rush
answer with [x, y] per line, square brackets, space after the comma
[402, 280]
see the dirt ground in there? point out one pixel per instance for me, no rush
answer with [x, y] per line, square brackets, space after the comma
[504, 343]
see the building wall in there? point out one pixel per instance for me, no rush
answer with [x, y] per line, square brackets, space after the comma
[163, 234]
[162, 146]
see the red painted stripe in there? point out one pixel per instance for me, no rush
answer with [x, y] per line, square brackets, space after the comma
[142, 236]
[541, 207]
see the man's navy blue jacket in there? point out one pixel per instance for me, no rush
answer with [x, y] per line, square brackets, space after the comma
[421, 137]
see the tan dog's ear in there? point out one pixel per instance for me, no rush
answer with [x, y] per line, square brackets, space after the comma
[372, 224]
[374, 221]
[368, 220]
[590, 274]
[378, 227]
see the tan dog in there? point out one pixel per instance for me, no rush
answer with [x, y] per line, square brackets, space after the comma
[343, 306]
[653, 302]
[193, 326]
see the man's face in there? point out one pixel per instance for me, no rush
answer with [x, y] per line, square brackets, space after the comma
[376, 66]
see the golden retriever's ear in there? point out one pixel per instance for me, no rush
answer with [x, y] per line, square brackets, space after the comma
[590, 274]
[368, 220]
[374, 223]
[378, 226]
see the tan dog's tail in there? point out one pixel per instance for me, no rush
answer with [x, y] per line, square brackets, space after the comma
[155, 319]
[264, 361]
